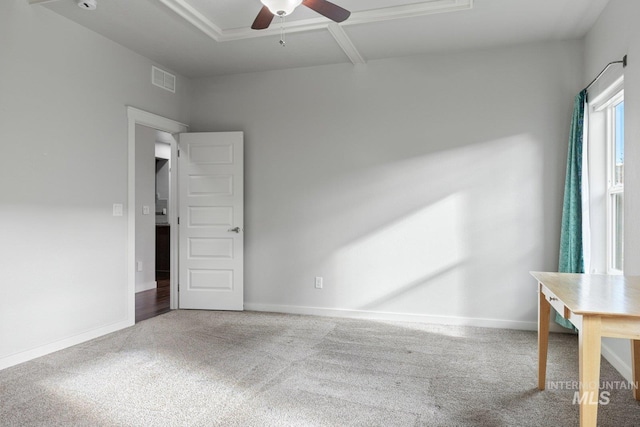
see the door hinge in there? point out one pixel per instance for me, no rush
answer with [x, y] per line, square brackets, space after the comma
[178, 220]
[178, 153]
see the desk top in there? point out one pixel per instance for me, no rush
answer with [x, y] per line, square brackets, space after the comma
[595, 293]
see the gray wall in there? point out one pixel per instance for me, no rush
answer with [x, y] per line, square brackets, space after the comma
[63, 92]
[425, 187]
[615, 34]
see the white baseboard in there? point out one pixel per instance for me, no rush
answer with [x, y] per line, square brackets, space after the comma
[33, 353]
[141, 287]
[397, 317]
[617, 362]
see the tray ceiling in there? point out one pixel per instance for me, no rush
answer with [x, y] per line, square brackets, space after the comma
[200, 38]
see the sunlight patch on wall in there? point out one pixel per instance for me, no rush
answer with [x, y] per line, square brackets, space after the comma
[451, 234]
[398, 262]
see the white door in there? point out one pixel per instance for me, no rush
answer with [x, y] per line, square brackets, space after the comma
[210, 191]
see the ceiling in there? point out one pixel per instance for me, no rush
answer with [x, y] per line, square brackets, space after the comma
[199, 38]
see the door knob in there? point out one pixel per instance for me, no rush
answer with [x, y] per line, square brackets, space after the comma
[235, 229]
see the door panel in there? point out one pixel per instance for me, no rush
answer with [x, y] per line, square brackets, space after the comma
[211, 219]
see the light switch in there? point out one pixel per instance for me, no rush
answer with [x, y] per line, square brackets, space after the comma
[145, 210]
[118, 209]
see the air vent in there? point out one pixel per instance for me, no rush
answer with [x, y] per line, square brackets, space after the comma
[163, 79]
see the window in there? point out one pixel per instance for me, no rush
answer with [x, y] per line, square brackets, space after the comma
[615, 183]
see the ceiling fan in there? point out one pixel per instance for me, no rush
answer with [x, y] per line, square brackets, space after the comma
[283, 8]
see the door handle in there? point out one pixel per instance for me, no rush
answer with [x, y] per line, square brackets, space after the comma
[235, 229]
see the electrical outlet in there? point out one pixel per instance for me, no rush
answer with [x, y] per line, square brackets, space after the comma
[139, 265]
[319, 281]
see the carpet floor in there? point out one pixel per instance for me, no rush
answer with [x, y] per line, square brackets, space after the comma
[198, 368]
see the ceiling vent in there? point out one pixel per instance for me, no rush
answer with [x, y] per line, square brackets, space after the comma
[163, 79]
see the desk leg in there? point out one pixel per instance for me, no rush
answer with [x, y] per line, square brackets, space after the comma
[635, 367]
[544, 308]
[589, 337]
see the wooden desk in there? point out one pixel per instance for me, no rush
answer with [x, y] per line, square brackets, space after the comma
[598, 306]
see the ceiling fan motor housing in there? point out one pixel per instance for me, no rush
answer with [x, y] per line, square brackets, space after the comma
[281, 7]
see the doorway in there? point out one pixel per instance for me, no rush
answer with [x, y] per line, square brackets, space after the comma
[141, 211]
[218, 248]
[153, 230]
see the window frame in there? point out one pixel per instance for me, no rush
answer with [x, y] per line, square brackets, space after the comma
[613, 189]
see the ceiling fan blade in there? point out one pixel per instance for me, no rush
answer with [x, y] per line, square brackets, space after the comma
[263, 20]
[328, 9]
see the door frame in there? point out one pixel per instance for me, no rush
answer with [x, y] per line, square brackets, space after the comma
[135, 117]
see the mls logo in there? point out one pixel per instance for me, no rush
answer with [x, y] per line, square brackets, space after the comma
[591, 398]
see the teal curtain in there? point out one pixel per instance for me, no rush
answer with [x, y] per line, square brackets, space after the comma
[571, 258]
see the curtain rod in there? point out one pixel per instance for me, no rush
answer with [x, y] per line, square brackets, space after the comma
[623, 62]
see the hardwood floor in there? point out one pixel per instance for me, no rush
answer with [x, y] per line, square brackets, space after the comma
[153, 302]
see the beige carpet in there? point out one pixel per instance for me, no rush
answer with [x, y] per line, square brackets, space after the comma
[196, 368]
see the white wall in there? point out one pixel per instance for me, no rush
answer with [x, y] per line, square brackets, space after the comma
[63, 92]
[615, 34]
[426, 187]
[145, 196]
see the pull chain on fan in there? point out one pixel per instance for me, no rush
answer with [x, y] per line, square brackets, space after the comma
[282, 42]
